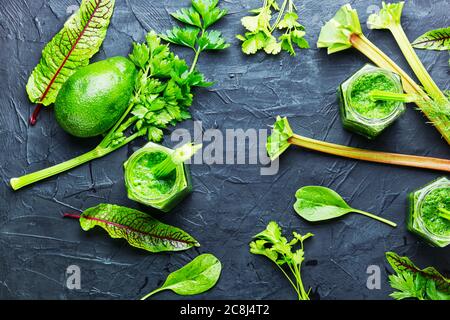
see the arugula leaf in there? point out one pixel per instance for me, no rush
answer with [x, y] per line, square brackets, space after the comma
[271, 244]
[70, 49]
[260, 35]
[412, 282]
[138, 228]
[198, 276]
[438, 39]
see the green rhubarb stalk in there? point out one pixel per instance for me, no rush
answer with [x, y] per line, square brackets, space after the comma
[344, 31]
[282, 137]
[376, 95]
[178, 156]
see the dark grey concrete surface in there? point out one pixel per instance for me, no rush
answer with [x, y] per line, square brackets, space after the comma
[230, 203]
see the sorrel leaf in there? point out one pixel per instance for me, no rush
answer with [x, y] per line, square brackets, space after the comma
[138, 228]
[198, 276]
[412, 282]
[70, 49]
[315, 203]
[438, 39]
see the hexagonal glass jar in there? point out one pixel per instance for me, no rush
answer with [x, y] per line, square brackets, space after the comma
[353, 120]
[419, 220]
[137, 179]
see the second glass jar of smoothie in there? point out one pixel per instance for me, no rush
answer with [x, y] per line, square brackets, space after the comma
[360, 113]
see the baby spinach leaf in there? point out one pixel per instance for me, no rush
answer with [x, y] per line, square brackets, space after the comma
[70, 49]
[138, 228]
[315, 203]
[438, 39]
[198, 276]
[412, 282]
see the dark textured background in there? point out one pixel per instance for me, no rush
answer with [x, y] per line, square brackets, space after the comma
[230, 203]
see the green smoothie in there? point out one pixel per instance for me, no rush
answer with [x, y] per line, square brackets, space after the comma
[142, 179]
[363, 104]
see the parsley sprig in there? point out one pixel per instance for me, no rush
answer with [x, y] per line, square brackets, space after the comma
[273, 245]
[260, 35]
[198, 18]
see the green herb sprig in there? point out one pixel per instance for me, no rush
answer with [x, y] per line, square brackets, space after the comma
[260, 35]
[198, 276]
[273, 245]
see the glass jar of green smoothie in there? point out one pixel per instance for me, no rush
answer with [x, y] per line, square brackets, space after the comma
[362, 114]
[162, 189]
[429, 215]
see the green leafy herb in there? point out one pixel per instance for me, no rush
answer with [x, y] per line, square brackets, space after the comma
[344, 31]
[162, 95]
[438, 39]
[287, 258]
[70, 49]
[138, 228]
[412, 282]
[260, 33]
[198, 276]
[199, 17]
[315, 203]
[282, 137]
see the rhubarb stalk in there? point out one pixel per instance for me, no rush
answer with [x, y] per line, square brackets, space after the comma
[283, 136]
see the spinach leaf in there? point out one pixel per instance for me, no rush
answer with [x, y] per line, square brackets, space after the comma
[198, 276]
[70, 49]
[412, 282]
[138, 228]
[315, 203]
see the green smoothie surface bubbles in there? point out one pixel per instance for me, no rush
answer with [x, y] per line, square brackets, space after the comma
[157, 176]
[371, 100]
[429, 214]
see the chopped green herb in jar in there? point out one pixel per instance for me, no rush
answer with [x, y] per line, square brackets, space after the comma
[361, 101]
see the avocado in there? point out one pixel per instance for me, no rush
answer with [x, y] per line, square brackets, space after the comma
[93, 99]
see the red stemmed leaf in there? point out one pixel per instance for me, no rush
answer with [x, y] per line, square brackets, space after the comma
[70, 49]
[138, 228]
